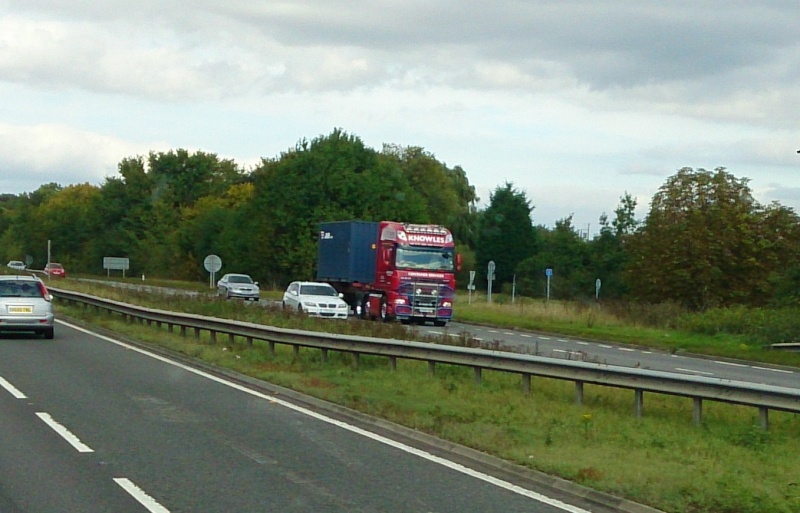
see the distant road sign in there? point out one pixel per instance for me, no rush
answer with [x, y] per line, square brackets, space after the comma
[116, 263]
[212, 263]
[548, 272]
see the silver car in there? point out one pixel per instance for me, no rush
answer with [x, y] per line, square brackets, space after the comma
[316, 299]
[238, 285]
[26, 306]
[16, 265]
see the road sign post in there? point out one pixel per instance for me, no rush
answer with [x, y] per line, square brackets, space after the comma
[471, 286]
[548, 272]
[212, 263]
[490, 278]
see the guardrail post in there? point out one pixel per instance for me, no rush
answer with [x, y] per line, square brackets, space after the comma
[638, 403]
[763, 417]
[324, 354]
[393, 363]
[477, 371]
[231, 338]
[170, 327]
[272, 347]
[296, 350]
[579, 392]
[431, 368]
[250, 341]
[356, 360]
[213, 336]
[197, 333]
[697, 411]
[526, 384]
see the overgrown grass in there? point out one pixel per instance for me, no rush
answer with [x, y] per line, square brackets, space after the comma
[727, 465]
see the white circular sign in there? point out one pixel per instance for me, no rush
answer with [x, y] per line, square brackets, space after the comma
[212, 263]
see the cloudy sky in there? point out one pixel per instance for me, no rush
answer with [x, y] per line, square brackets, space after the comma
[574, 102]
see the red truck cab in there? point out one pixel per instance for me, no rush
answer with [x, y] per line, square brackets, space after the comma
[391, 270]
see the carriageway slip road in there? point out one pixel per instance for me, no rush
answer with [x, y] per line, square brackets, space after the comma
[88, 423]
[610, 353]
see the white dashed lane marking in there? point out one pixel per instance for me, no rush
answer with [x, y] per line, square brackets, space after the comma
[694, 371]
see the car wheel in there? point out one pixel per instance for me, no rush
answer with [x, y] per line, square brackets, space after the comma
[48, 333]
[227, 294]
[440, 323]
[299, 308]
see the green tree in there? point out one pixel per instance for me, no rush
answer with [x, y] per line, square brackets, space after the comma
[181, 178]
[332, 178]
[563, 250]
[609, 253]
[450, 199]
[700, 244]
[506, 234]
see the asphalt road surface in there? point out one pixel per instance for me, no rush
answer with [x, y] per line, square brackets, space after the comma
[89, 424]
[610, 353]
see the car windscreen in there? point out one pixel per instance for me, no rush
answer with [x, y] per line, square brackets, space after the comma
[240, 279]
[317, 290]
[19, 289]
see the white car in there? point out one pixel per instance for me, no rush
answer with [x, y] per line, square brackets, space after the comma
[316, 299]
[16, 265]
[238, 285]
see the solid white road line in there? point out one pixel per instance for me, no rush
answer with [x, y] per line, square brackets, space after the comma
[64, 432]
[140, 495]
[694, 371]
[354, 429]
[773, 370]
[12, 389]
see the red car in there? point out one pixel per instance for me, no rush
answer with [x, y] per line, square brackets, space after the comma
[55, 269]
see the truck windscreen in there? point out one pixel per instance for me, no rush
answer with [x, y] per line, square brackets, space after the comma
[429, 259]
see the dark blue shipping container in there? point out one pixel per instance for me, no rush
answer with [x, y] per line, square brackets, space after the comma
[346, 251]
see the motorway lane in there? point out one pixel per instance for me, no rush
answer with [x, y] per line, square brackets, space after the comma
[183, 441]
[609, 353]
[41, 473]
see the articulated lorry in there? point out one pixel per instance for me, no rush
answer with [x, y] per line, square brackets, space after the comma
[389, 270]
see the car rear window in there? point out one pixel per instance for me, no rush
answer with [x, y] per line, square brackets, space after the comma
[20, 289]
[317, 290]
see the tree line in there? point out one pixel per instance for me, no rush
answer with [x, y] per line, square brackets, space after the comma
[704, 243]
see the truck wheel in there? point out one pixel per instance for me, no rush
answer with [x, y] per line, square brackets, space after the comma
[385, 310]
[365, 308]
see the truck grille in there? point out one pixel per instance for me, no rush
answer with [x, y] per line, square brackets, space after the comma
[425, 295]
